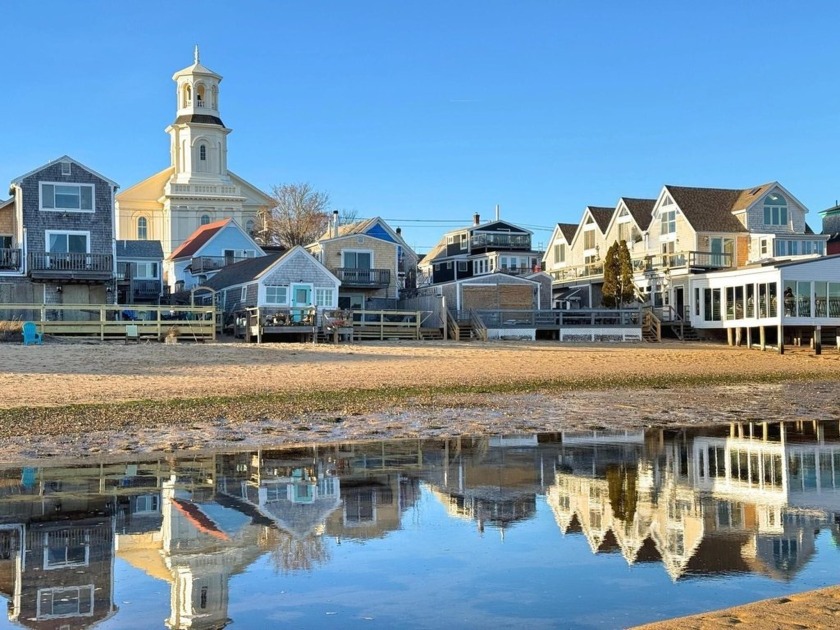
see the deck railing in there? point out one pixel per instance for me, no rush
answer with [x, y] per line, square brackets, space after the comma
[204, 264]
[110, 320]
[10, 259]
[641, 264]
[351, 277]
[500, 241]
[559, 319]
[70, 261]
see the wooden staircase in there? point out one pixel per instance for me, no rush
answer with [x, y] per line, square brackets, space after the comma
[651, 327]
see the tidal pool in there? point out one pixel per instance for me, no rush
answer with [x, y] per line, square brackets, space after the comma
[569, 530]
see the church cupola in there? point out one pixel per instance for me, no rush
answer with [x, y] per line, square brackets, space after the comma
[197, 94]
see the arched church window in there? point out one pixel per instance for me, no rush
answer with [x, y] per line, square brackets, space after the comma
[142, 229]
[249, 227]
[199, 95]
[187, 96]
[205, 219]
[202, 152]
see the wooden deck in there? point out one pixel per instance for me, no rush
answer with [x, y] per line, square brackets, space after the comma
[109, 321]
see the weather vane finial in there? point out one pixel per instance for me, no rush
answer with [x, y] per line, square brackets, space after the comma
[196, 53]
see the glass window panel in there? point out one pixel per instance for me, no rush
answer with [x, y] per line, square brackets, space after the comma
[67, 197]
[47, 196]
[87, 198]
[77, 243]
[58, 243]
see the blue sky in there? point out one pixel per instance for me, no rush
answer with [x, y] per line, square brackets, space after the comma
[424, 113]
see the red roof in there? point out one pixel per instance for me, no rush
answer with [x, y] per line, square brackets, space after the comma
[198, 239]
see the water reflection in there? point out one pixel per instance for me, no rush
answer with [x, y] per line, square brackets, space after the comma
[741, 499]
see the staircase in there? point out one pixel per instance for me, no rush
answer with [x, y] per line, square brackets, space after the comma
[651, 327]
[689, 333]
[431, 334]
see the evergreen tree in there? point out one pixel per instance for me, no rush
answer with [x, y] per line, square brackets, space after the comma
[610, 290]
[627, 292]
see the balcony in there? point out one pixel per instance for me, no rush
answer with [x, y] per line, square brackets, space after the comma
[133, 291]
[659, 262]
[10, 259]
[70, 266]
[208, 264]
[363, 278]
[500, 241]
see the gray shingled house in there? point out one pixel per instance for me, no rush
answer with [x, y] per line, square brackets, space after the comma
[139, 272]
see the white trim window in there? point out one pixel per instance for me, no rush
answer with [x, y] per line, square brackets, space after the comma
[277, 295]
[67, 548]
[65, 601]
[243, 294]
[357, 258]
[324, 297]
[145, 270]
[142, 229]
[56, 197]
[775, 210]
[668, 221]
[67, 242]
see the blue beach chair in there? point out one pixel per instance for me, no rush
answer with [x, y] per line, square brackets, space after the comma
[31, 335]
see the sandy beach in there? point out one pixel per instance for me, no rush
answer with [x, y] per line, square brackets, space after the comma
[515, 387]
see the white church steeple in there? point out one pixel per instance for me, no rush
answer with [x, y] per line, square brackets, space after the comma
[198, 145]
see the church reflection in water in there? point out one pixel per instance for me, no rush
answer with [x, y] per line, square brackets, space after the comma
[742, 498]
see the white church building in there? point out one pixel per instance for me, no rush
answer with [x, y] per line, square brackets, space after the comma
[196, 188]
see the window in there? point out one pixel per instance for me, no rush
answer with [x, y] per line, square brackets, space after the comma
[205, 219]
[70, 601]
[276, 295]
[775, 210]
[147, 503]
[202, 152]
[560, 253]
[462, 266]
[142, 229]
[358, 260]
[324, 297]
[763, 248]
[589, 239]
[450, 240]
[67, 242]
[668, 221]
[249, 227]
[65, 168]
[244, 294]
[67, 197]
[146, 271]
[67, 548]
[449, 265]
[463, 241]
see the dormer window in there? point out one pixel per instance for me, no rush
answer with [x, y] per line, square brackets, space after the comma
[65, 168]
[775, 210]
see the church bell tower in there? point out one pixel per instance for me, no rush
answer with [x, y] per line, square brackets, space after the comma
[198, 145]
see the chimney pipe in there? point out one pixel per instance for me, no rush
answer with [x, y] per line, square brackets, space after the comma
[335, 224]
[476, 219]
[497, 212]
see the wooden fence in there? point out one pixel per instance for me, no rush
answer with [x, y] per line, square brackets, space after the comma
[109, 321]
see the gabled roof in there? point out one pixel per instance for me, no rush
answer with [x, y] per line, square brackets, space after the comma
[375, 227]
[749, 195]
[6, 203]
[244, 271]
[602, 216]
[641, 210]
[567, 230]
[139, 249]
[708, 209]
[64, 158]
[198, 239]
[435, 252]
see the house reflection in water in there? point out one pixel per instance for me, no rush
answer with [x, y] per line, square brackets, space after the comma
[743, 498]
[494, 481]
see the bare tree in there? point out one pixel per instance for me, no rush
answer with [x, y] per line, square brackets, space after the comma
[299, 216]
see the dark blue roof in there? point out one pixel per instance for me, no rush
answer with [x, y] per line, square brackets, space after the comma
[140, 249]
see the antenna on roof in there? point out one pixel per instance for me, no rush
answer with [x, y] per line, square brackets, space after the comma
[196, 53]
[497, 212]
